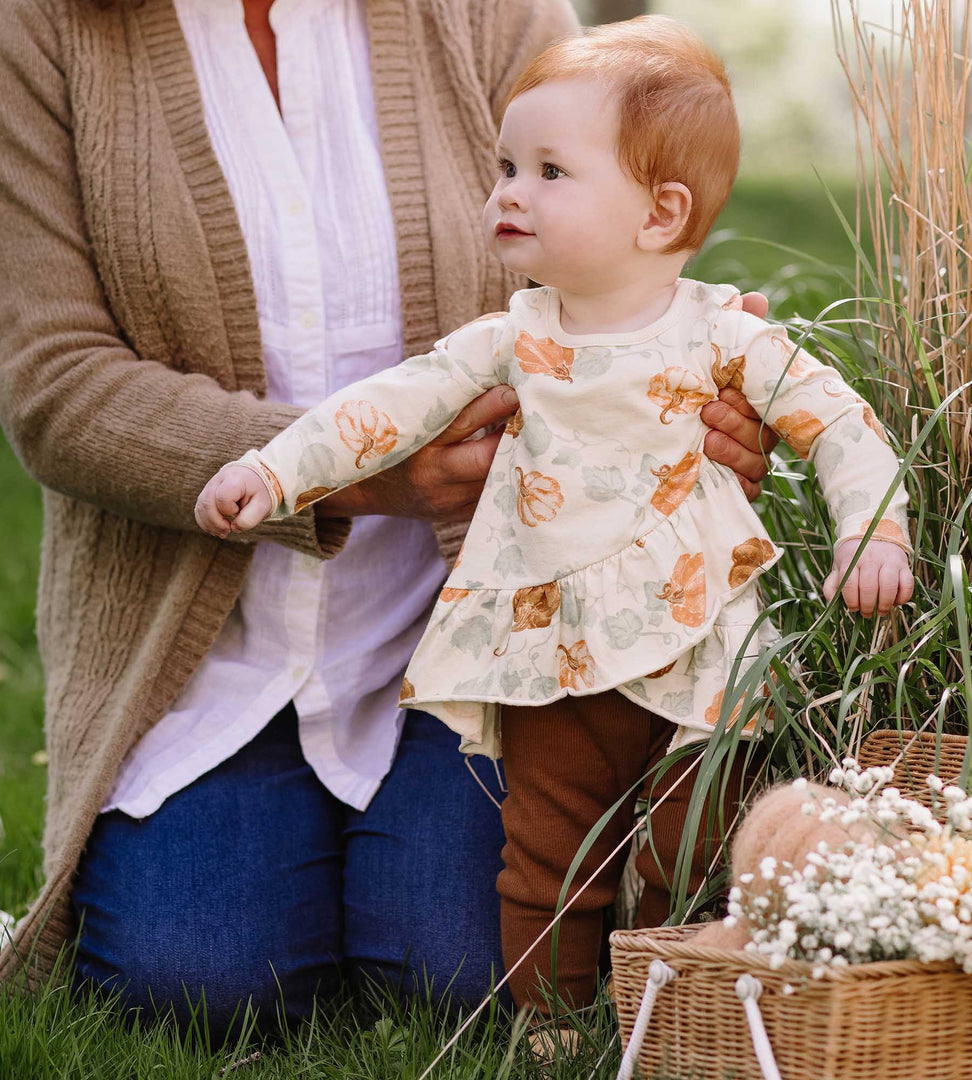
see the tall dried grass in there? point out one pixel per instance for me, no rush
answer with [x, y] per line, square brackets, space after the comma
[909, 88]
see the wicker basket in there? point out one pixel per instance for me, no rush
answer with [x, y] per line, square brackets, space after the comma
[900, 1020]
[915, 757]
[890, 1021]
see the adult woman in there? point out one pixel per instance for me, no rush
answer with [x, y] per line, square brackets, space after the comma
[152, 155]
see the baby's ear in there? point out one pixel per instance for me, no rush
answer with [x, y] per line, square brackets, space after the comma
[667, 217]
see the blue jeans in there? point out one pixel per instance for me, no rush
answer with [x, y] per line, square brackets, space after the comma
[255, 874]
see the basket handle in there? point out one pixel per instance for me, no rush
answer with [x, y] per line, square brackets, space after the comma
[659, 975]
[748, 990]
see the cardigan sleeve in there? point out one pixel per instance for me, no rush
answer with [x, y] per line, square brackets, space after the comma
[827, 423]
[377, 422]
[84, 414]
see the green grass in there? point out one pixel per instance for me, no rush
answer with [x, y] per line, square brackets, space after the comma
[54, 1036]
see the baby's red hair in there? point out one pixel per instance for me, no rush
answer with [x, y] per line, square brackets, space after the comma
[676, 118]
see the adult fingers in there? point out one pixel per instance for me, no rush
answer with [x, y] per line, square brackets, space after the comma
[733, 414]
[756, 304]
[727, 451]
[468, 462]
[750, 490]
[495, 405]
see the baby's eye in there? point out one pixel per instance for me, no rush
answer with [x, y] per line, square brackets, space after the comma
[550, 172]
[506, 168]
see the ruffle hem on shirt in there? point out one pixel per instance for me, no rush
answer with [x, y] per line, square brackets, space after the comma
[669, 645]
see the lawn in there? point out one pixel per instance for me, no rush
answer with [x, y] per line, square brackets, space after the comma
[54, 1037]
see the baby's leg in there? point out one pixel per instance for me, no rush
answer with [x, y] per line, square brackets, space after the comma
[566, 763]
[668, 821]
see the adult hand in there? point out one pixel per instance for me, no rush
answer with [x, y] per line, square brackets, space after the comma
[443, 480]
[739, 439]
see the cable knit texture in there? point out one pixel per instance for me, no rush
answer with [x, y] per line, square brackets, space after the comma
[130, 356]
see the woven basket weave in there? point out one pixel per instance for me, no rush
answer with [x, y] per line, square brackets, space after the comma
[900, 1020]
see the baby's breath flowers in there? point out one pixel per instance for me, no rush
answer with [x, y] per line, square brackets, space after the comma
[899, 887]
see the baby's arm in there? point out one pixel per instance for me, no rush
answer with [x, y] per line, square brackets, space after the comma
[360, 430]
[822, 418]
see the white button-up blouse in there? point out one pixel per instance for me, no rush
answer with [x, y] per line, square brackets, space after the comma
[309, 190]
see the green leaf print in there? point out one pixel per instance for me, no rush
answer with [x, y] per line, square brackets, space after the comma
[475, 687]
[656, 608]
[571, 607]
[543, 687]
[317, 466]
[679, 703]
[505, 500]
[568, 457]
[510, 682]
[590, 363]
[509, 561]
[535, 434]
[437, 417]
[473, 636]
[602, 483]
[622, 629]
[645, 475]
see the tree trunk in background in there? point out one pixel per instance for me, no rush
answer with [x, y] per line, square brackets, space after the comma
[603, 11]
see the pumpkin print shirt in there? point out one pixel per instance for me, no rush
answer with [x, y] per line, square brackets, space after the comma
[606, 552]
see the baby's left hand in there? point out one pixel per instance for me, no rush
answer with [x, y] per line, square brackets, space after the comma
[881, 578]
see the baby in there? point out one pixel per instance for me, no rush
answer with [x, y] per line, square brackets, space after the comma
[608, 582]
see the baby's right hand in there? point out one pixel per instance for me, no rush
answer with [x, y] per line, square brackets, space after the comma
[235, 499]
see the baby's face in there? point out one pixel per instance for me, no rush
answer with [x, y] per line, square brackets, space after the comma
[563, 212]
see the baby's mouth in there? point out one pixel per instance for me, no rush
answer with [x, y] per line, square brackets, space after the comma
[506, 230]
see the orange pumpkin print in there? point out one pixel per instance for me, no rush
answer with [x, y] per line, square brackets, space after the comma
[747, 557]
[543, 356]
[515, 424]
[538, 497]
[675, 482]
[576, 666]
[450, 595]
[533, 608]
[685, 590]
[365, 430]
[677, 391]
[872, 421]
[661, 671]
[798, 363]
[407, 692]
[305, 498]
[734, 303]
[798, 429]
[886, 529]
[712, 713]
[727, 372]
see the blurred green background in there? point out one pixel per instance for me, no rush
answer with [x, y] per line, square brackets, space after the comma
[796, 119]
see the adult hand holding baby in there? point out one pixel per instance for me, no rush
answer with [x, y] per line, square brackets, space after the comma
[443, 480]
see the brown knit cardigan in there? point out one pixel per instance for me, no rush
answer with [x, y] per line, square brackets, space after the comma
[130, 355]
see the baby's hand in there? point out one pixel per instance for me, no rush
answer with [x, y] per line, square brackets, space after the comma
[236, 499]
[880, 579]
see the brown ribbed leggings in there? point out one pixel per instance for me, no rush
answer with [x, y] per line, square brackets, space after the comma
[566, 763]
